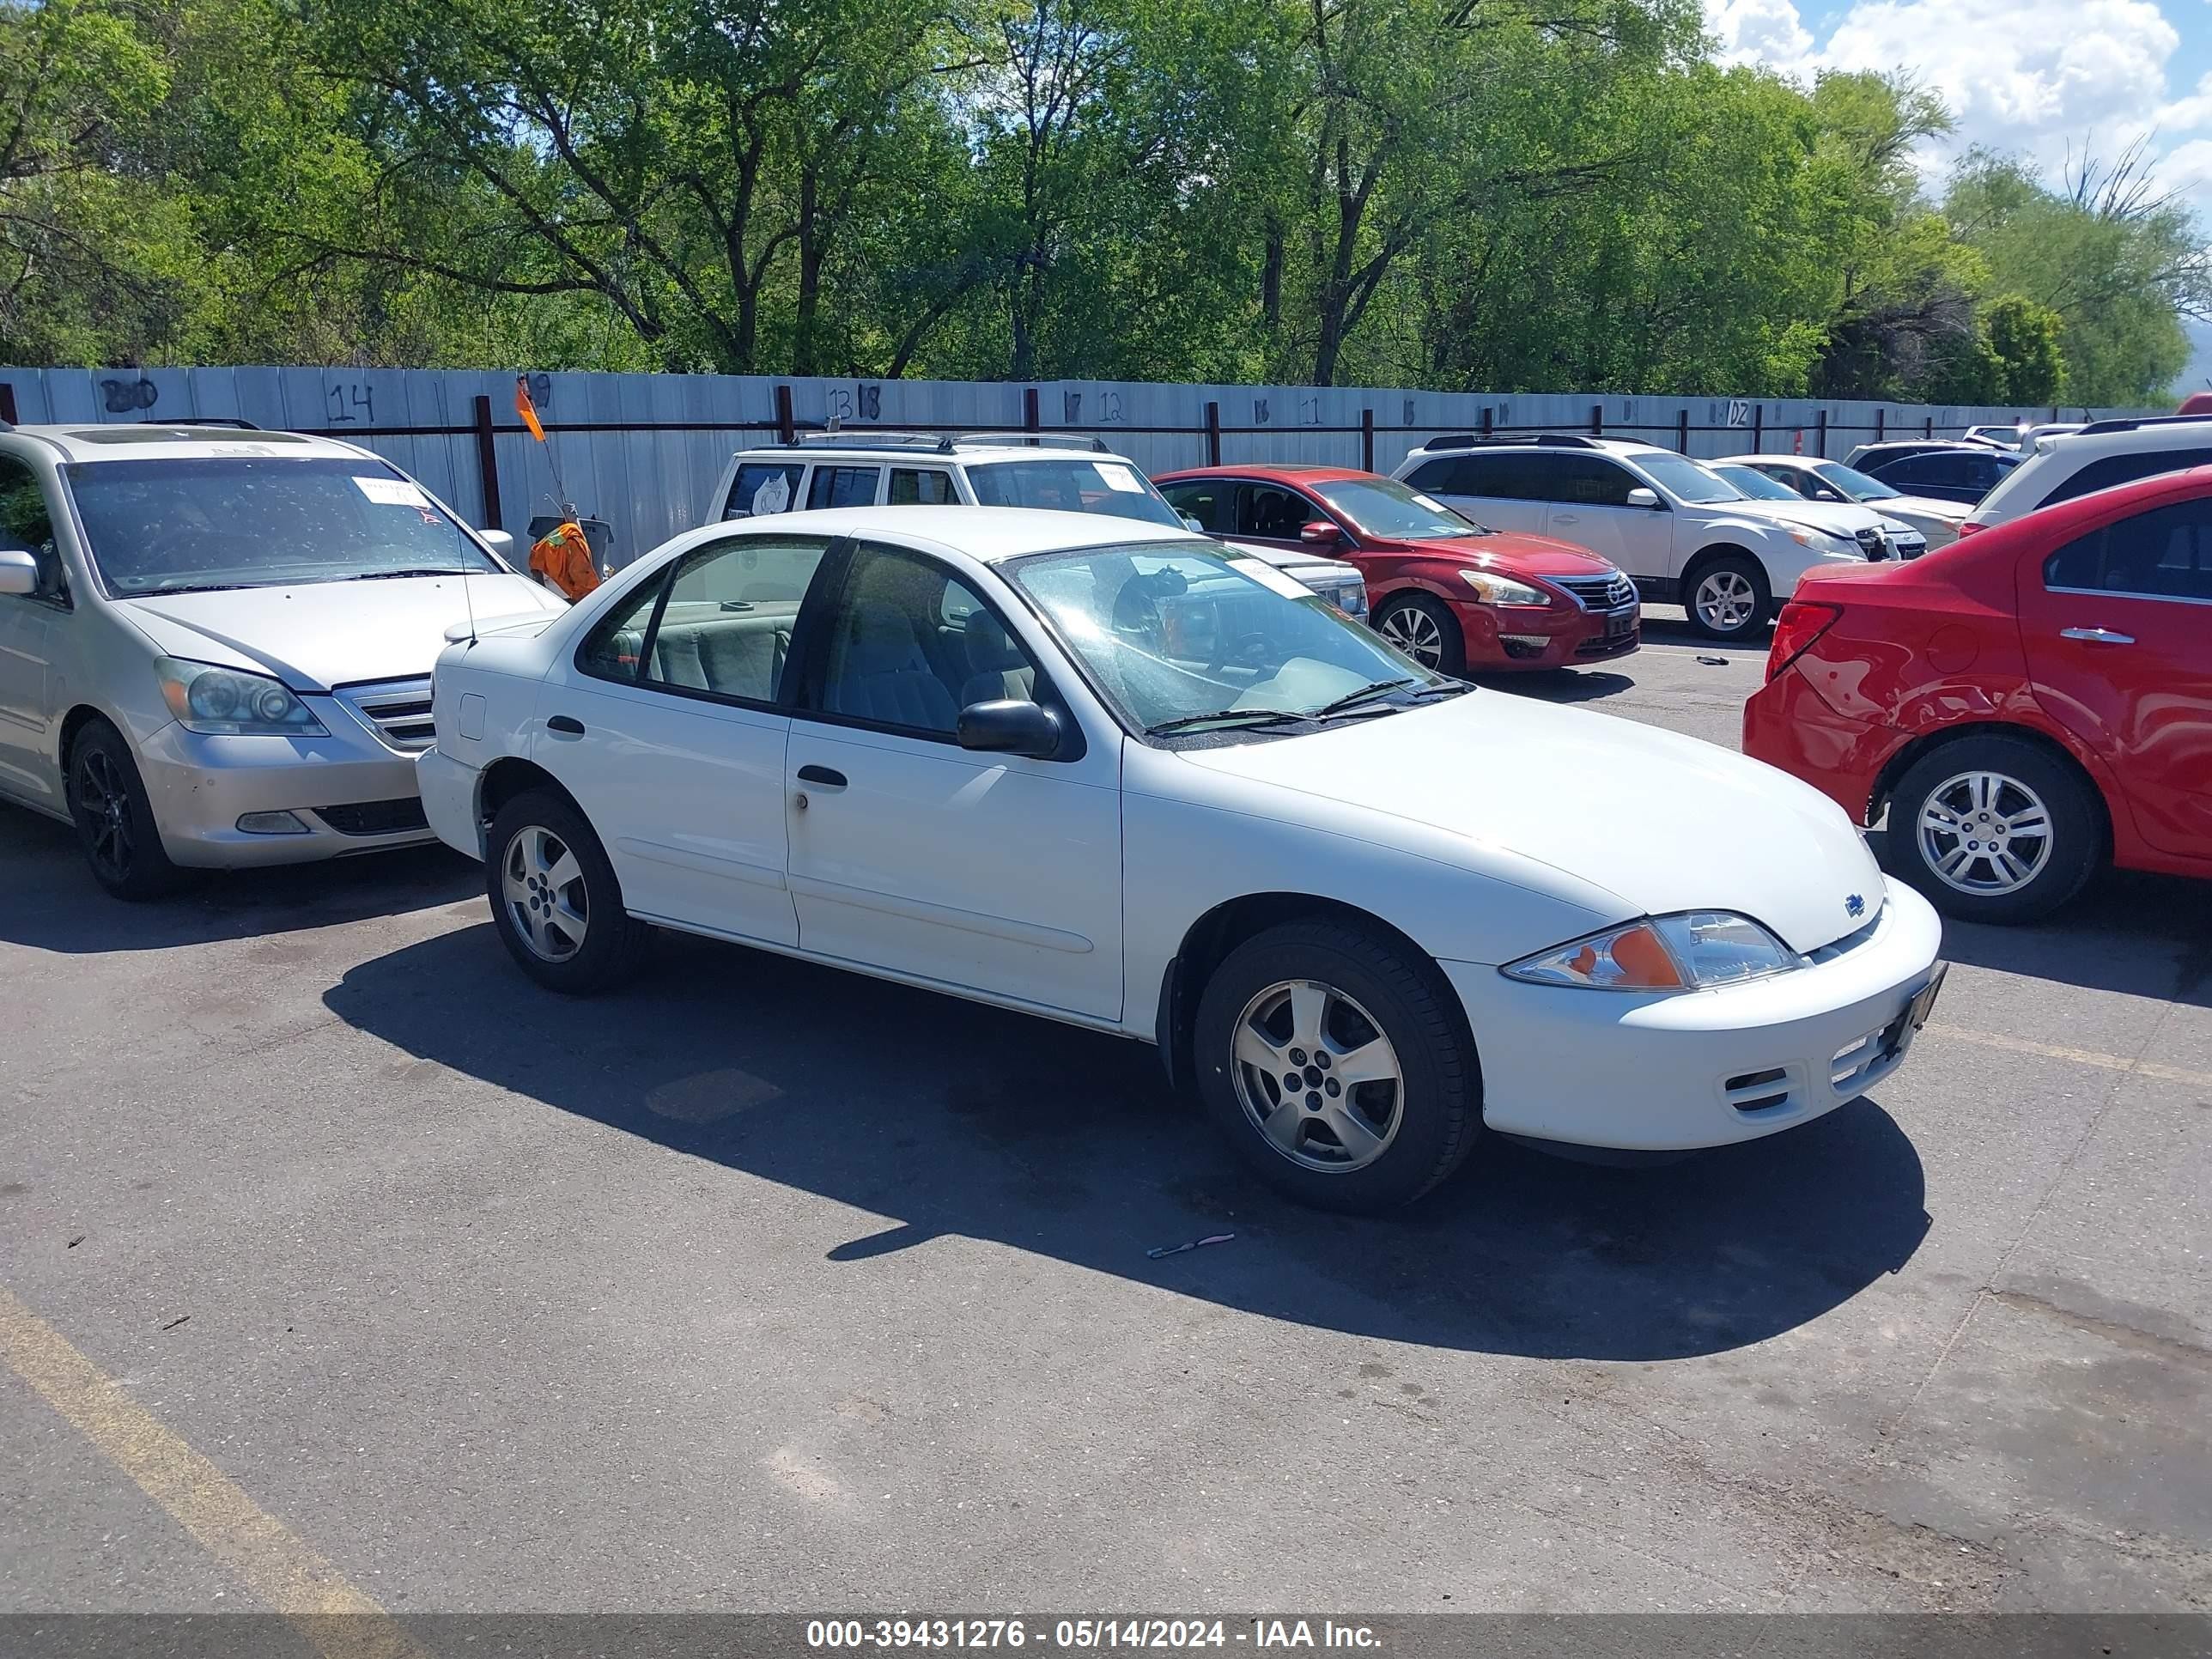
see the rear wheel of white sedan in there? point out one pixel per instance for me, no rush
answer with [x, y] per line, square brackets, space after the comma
[1729, 598]
[1335, 1061]
[1995, 829]
[554, 899]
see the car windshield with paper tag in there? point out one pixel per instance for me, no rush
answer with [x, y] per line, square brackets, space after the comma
[168, 526]
[1071, 483]
[1185, 639]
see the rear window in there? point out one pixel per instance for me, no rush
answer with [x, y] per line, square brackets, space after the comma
[2111, 470]
[761, 487]
[1073, 484]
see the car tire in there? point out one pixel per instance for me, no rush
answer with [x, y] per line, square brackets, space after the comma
[114, 819]
[1357, 988]
[554, 899]
[2003, 785]
[1728, 599]
[1424, 629]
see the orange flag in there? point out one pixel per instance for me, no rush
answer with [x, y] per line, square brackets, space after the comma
[527, 410]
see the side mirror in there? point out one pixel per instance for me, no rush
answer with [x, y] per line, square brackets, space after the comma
[1320, 534]
[498, 540]
[1647, 499]
[1824, 493]
[19, 571]
[1010, 725]
[1189, 523]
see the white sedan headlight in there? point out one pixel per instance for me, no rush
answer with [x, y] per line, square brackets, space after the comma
[229, 702]
[1827, 545]
[1694, 951]
[1493, 589]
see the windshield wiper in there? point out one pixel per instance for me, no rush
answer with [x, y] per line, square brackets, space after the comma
[426, 570]
[1372, 689]
[1241, 716]
[160, 588]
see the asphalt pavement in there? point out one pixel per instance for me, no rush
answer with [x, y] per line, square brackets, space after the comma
[334, 1255]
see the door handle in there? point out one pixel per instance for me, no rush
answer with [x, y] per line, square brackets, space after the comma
[822, 775]
[566, 726]
[1565, 518]
[2096, 635]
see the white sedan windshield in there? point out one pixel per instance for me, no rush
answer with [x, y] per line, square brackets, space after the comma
[1179, 636]
[187, 525]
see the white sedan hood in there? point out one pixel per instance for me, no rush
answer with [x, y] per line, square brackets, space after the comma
[1664, 822]
[315, 636]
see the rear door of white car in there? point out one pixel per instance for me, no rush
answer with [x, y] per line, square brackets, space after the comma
[666, 727]
[1491, 486]
[996, 873]
[1588, 497]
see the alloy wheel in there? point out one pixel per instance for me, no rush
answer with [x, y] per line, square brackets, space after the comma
[104, 800]
[1984, 833]
[1414, 632]
[546, 897]
[1316, 1077]
[1724, 601]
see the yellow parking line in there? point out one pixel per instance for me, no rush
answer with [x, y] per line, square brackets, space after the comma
[2079, 1056]
[340, 1622]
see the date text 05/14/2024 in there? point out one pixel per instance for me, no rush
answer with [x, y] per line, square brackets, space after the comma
[1086, 1634]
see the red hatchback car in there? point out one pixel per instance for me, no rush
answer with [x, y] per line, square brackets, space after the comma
[1446, 592]
[2026, 703]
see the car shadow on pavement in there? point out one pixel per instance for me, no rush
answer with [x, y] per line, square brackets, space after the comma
[949, 1118]
[54, 904]
[1558, 684]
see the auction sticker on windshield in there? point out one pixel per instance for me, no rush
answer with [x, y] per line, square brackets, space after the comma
[1120, 478]
[391, 492]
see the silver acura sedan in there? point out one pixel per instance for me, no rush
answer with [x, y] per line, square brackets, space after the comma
[215, 644]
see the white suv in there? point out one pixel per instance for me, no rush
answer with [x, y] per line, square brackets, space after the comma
[1680, 530]
[2100, 455]
[1059, 471]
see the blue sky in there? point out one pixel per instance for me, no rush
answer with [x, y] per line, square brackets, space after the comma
[2036, 77]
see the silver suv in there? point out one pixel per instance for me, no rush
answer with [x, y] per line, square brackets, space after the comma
[215, 644]
[1062, 472]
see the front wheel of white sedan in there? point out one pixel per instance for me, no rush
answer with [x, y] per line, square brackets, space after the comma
[1335, 1061]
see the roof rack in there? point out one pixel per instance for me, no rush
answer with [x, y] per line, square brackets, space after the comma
[1548, 440]
[1036, 441]
[231, 421]
[2131, 423]
[847, 440]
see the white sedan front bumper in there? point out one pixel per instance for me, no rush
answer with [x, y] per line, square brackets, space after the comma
[1701, 1069]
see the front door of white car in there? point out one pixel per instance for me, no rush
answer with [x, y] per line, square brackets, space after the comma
[676, 753]
[1587, 497]
[996, 873]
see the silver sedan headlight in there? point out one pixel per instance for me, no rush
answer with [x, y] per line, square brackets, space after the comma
[1827, 545]
[1694, 951]
[230, 702]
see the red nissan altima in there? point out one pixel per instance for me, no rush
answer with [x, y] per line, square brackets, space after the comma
[1446, 592]
[2026, 703]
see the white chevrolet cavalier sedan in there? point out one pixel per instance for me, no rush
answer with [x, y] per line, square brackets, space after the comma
[1120, 776]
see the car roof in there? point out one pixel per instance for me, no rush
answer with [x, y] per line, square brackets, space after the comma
[1543, 442]
[832, 447]
[155, 441]
[1792, 460]
[1293, 472]
[990, 534]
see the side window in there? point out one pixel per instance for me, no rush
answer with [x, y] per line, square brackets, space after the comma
[920, 487]
[843, 486]
[1207, 499]
[1438, 478]
[1583, 480]
[26, 525]
[909, 646]
[2112, 469]
[1504, 475]
[2164, 554]
[1786, 476]
[1270, 510]
[613, 650]
[761, 487]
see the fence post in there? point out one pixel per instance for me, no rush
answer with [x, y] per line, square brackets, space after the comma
[1821, 440]
[1757, 429]
[1367, 440]
[1681, 431]
[1489, 418]
[1597, 420]
[1213, 435]
[1029, 409]
[786, 429]
[1880, 422]
[1927, 427]
[488, 464]
[7, 402]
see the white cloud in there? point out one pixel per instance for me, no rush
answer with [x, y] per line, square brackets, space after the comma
[2048, 78]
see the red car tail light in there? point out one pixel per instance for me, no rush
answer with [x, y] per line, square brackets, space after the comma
[1800, 624]
[1970, 528]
